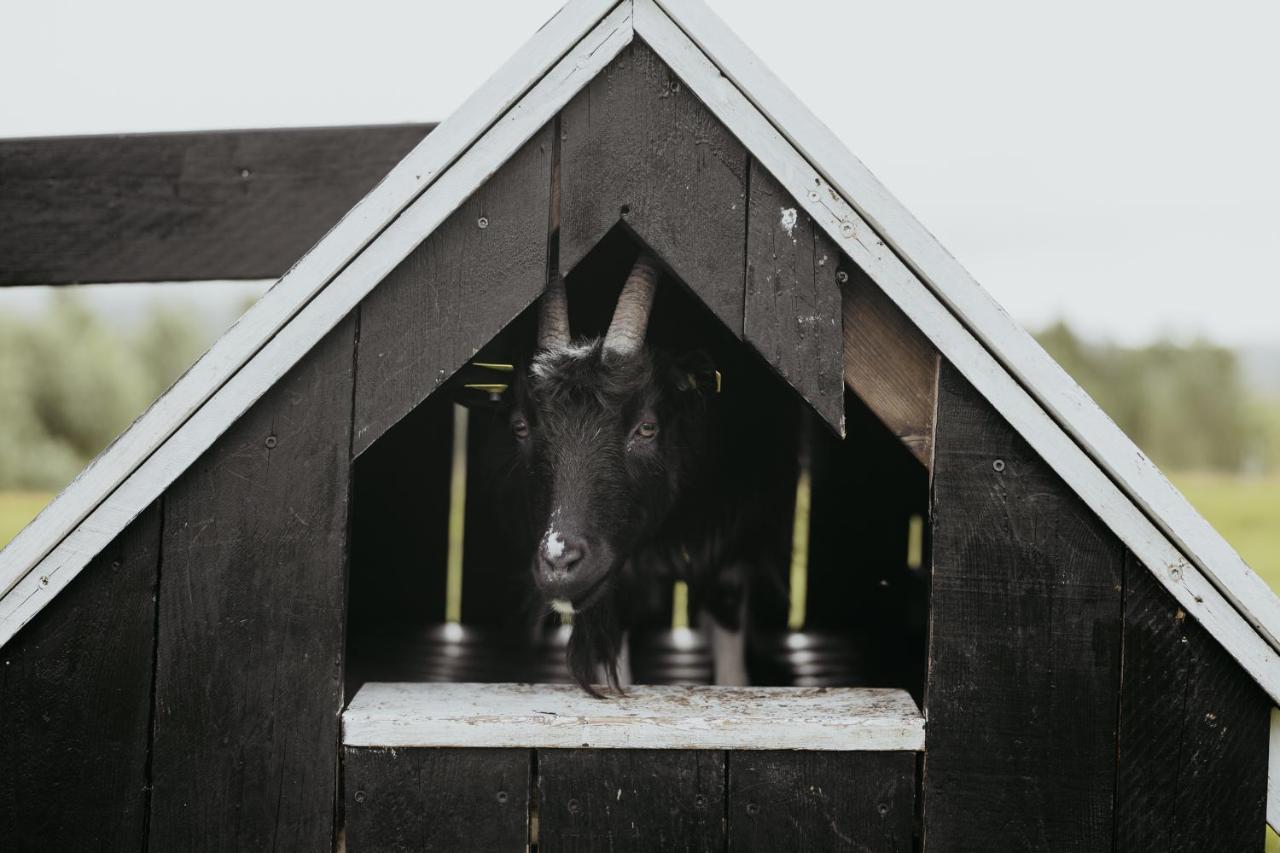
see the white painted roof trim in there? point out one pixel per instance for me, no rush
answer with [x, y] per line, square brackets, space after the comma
[1042, 403]
[1273, 773]
[559, 716]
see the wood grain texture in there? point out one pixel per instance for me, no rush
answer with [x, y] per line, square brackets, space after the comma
[630, 799]
[180, 206]
[637, 147]
[792, 303]
[889, 363]
[248, 682]
[1024, 645]
[75, 706]
[1193, 733]
[468, 280]
[821, 801]
[455, 800]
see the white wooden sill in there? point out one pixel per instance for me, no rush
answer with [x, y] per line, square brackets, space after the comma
[557, 716]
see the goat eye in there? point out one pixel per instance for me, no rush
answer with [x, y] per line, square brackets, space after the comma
[647, 429]
[520, 427]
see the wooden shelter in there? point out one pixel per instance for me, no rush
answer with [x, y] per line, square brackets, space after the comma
[1078, 661]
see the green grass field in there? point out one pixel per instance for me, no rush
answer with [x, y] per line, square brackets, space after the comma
[16, 509]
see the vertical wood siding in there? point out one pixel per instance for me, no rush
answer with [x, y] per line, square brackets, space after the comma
[455, 800]
[1024, 659]
[453, 293]
[630, 800]
[638, 147]
[1192, 752]
[821, 801]
[75, 706]
[792, 312]
[248, 684]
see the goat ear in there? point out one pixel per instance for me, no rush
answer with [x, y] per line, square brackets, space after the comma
[697, 372]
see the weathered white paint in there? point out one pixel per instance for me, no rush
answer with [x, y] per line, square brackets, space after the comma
[553, 715]
[788, 220]
[1016, 352]
[300, 309]
[1273, 773]
[830, 210]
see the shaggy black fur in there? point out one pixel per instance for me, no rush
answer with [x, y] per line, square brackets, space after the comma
[683, 504]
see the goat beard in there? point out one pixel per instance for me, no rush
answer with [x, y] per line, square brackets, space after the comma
[595, 644]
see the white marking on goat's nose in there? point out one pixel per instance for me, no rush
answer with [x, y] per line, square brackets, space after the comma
[562, 606]
[553, 544]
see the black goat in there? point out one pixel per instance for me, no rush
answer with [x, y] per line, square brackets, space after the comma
[623, 478]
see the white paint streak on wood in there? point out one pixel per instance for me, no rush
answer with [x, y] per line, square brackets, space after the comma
[1104, 445]
[829, 209]
[1273, 773]
[300, 309]
[544, 716]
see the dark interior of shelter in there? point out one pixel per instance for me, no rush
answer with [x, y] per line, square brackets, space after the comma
[864, 610]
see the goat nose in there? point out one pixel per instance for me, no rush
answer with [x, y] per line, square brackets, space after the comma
[561, 553]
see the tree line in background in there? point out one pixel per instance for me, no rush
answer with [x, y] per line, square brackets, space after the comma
[70, 383]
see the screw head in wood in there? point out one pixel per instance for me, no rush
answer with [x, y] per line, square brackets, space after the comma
[998, 466]
[842, 276]
[271, 442]
[813, 195]
[846, 228]
[483, 222]
[360, 796]
[753, 809]
[574, 806]
[700, 801]
[502, 796]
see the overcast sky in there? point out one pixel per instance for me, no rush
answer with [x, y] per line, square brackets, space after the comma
[1116, 163]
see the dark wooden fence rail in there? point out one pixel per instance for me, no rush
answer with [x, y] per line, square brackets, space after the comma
[237, 204]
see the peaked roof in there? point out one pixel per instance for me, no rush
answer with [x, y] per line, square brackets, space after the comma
[1040, 401]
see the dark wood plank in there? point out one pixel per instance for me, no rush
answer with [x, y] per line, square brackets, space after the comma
[792, 310]
[75, 706]
[453, 293]
[889, 363]
[1024, 652]
[638, 147]
[630, 799]
[436, 799]
[248, 674]
[821, 801]
[181, 206]
[1193, 733]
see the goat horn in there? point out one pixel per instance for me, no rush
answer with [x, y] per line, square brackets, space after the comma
[553, 316]
[631, 316]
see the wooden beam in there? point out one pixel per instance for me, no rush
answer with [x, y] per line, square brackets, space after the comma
[832, 801]
[1187, 712]
[631, 800]
[647, 717]
[436, 799]
[75, 706]
[638, 148]
[1024, 645]
[229, 204]
[889, 363]
[249, 650]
